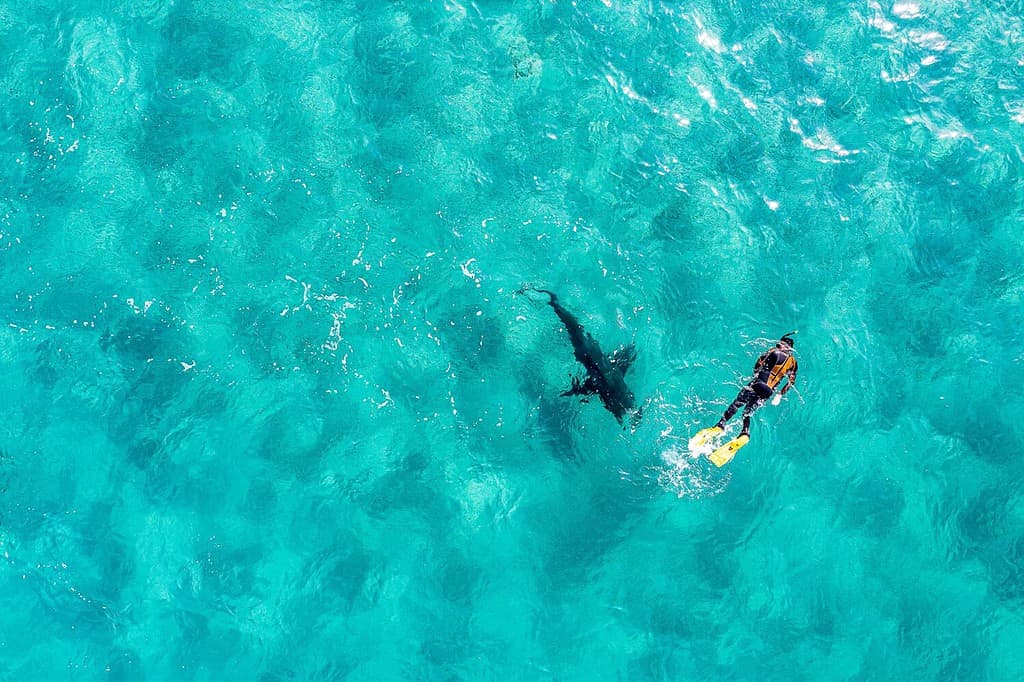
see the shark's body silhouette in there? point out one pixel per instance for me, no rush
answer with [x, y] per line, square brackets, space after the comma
[605, 373]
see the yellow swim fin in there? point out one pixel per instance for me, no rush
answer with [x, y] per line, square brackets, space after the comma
[725, 453]
[705, 436]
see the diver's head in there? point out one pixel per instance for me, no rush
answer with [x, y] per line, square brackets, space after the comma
[787, 339]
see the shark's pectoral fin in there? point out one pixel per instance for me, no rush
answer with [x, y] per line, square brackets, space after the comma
[588, 387]
[574, 390]
[623, 358]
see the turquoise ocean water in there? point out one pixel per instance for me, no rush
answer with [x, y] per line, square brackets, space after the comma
[272, 411]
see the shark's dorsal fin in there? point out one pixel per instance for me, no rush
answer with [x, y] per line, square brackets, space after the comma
[623, 358]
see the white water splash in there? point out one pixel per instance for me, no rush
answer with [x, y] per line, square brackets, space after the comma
[690, 474]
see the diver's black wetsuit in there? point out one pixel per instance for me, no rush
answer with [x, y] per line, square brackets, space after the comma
[771, 367]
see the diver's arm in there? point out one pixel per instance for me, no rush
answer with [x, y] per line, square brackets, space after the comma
[760, 362]
[791, 379]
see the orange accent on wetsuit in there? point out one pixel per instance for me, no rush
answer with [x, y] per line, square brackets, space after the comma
[780, 370]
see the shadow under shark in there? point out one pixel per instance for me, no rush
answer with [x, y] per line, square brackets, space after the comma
[606, 374]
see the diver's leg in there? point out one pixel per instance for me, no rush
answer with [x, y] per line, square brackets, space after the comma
[742, 399]
[725, 453]
[753, 404]
[704, 436]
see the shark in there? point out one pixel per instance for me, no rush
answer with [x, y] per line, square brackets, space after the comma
[605, 374]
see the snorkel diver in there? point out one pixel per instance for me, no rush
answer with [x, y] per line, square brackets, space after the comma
[772, 367]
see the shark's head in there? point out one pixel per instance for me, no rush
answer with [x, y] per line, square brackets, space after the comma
[634, 420]
[617, 397]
